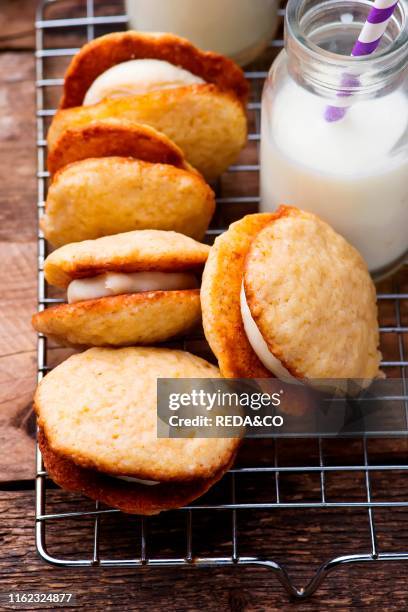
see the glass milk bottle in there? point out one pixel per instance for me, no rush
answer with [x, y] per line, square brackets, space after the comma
[352, 172]
[240, 29]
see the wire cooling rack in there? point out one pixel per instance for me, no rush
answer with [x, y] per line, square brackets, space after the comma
[62, 27]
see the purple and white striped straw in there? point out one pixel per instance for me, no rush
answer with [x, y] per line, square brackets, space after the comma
[367, 42]
[374, 27]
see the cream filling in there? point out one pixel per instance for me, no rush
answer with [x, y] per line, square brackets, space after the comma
[255, 338]
[148, 483]
[273, 364]
[117, 283]
[137, 77]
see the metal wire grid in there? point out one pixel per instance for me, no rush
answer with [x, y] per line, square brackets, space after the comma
[90, 22]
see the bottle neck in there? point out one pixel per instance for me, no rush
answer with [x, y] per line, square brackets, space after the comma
[319, 37]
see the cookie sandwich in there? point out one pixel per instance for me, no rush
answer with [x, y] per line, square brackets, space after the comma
[284, 295]
[115, 138]
[98, 197]
[197, 98]
[97, 418]
[139, 287]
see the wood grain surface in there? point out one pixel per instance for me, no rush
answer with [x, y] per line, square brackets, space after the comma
[18, 262]
[300, 539]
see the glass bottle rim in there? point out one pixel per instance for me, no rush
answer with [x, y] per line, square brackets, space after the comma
[396, 51]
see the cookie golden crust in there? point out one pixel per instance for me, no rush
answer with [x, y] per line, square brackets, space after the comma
[208, 125]
[312, 298]
[106, 51]
[99, 410]
[114, 137]
[122, 320]
[129, 497]
[84, 195]
[137, 251]
[220, 300]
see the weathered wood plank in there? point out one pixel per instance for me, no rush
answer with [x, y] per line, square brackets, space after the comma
[17, 24]
[18, 263]
[17, 21]
[17, 358]
[284, 535]
[17, 148]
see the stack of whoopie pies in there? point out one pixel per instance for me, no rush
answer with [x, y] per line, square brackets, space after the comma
[197, 98]
[143, 118]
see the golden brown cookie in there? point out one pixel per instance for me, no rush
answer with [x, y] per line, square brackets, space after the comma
[220, 289]
[208, 125]
[122, 320]
[106, 51]
[98, 413]
[98, 409]
[129, 313]
[111, 138]
[98, 197]
[130, 497]
[312, 298]
[309, 294]
[129, 252]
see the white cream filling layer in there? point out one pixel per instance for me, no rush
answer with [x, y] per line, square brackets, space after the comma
[137, 77]
[259, 345]
[148, 483]
[116, 283]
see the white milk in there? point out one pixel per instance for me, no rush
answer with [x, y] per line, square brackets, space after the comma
[237, 28]
[353, 173]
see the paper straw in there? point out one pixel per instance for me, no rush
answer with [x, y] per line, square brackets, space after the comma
[367, 42]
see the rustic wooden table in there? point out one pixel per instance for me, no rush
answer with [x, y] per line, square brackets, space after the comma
[299, 540]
